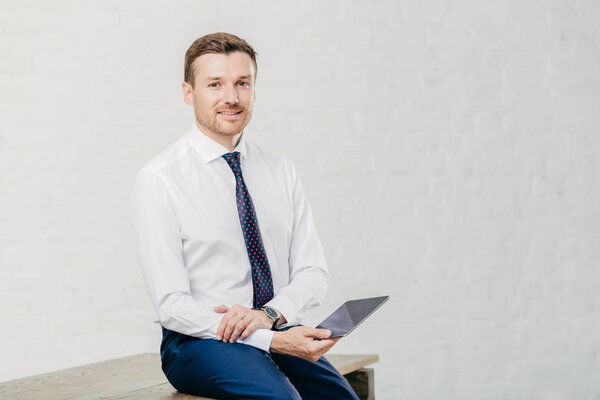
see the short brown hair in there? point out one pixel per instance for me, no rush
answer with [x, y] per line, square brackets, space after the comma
[220, 42]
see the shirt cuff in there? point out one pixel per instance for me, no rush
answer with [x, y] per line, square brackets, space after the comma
[260, 338]
[285, 307]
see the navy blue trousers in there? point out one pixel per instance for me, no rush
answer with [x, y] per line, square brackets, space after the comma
[206, 367]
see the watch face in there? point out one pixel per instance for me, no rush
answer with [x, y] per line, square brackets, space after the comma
[271, 313]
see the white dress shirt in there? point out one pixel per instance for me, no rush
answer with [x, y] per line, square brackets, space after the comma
[190, 244]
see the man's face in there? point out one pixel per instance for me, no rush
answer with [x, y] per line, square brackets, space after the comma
[223, 93]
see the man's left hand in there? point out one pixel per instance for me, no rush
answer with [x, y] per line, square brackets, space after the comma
[240, 322]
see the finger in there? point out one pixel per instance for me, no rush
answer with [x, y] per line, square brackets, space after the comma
[236, 309]
[327, 343]
[221, 309]
[323, 343]
[221, 329]
[239, 328]
[255, 321]
[223, 324]
[230, 327]
[322, 333]
[248, 331]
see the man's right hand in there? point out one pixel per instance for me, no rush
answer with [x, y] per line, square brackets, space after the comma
[299, 342]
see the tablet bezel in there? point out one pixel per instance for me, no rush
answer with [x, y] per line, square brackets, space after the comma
[383, 300]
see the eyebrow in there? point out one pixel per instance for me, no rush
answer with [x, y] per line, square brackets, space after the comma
[218, 78]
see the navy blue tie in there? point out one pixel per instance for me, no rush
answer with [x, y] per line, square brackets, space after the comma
[261, 272]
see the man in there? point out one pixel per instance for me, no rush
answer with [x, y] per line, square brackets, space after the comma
[228, 248]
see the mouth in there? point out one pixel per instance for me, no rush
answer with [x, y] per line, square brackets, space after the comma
[229, 112]
[230, 115]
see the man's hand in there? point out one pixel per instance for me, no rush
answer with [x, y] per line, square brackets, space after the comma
[299, 341]
[240, 322]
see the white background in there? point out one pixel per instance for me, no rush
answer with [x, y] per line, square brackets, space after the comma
[449, 149]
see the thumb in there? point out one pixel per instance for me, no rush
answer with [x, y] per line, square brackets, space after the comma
[322, 333]
[221, 309]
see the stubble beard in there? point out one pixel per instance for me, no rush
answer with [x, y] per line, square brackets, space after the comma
[219, 127]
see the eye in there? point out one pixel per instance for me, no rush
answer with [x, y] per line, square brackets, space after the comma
[242, 83]
[214, 85]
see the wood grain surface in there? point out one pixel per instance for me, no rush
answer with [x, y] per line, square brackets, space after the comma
[131, 378]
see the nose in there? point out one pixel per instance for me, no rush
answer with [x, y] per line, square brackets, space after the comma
[230, 96]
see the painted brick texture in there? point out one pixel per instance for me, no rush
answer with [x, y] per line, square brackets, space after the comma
[449, 149]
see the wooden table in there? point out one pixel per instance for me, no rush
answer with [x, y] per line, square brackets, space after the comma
[140, 378]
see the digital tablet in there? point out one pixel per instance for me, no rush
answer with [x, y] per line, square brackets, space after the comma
[351, 314]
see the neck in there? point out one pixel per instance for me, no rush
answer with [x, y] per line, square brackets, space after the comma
[228, 141]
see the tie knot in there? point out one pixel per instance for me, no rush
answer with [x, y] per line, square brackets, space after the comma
[233, 159]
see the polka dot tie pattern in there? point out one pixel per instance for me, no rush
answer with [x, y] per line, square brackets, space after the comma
[261, 271]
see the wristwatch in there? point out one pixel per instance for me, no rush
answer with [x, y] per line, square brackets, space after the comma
[273, 314]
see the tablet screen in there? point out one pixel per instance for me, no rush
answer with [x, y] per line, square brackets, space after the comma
[351, 314]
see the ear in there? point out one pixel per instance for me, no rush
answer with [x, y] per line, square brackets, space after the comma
[188, 93]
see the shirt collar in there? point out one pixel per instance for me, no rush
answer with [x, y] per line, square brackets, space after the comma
[208, 149]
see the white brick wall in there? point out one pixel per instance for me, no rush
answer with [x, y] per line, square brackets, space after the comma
[449, 150]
